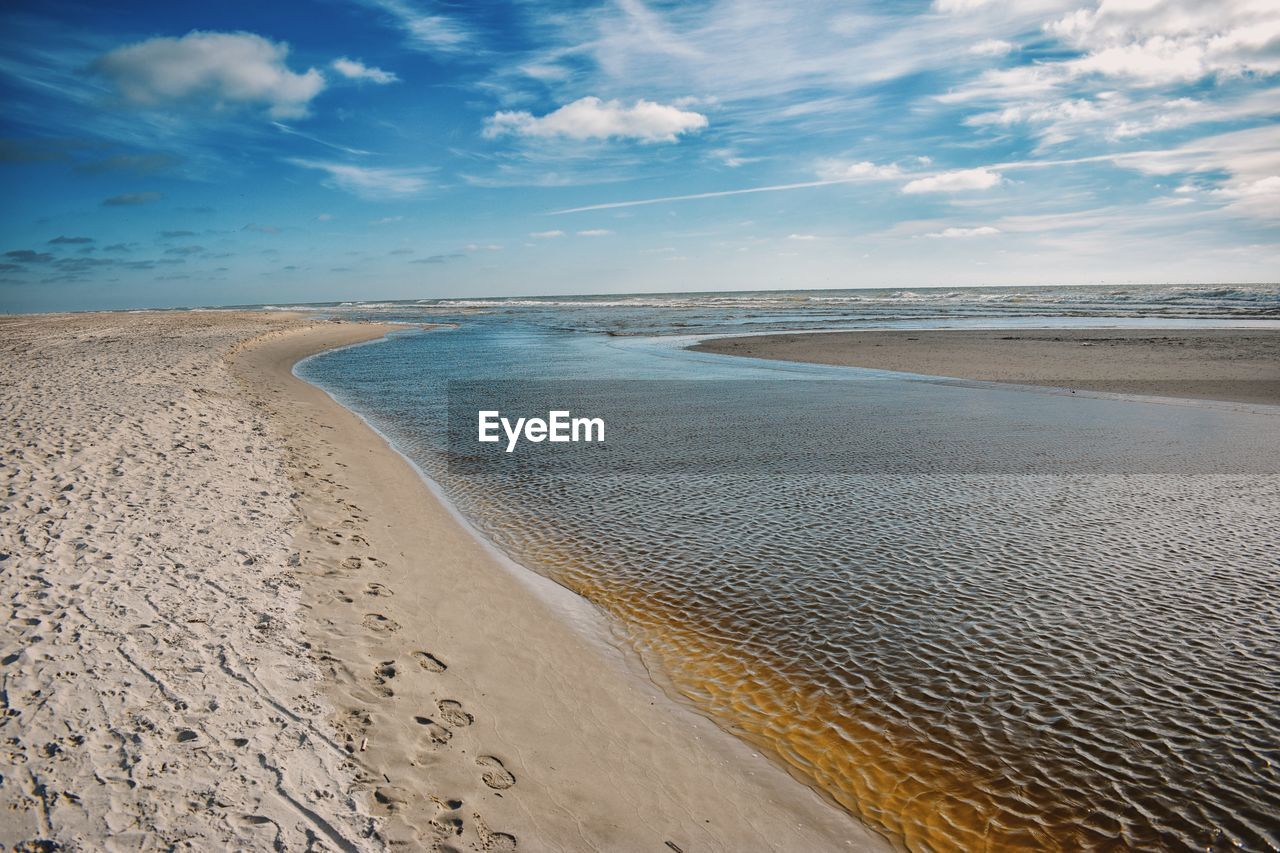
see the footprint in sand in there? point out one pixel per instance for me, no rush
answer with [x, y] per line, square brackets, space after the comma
[447, 822]
[451, 712]
[352, 727]
[351, 563]
[490, 841]
[438, 733]
[381, 624]
[391, 798]
[378, 590]
[430, 662]
[382, 673]
[495, 775]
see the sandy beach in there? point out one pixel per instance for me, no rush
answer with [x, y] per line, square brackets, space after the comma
[239, 619]
[1236, 365]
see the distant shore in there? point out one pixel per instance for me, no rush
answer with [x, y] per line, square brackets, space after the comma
[241, 619]
[1234, 365]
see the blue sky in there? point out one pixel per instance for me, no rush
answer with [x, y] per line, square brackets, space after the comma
[199, 154]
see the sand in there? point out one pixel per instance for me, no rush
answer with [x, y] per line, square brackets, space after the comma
[239, 619]
[1237, 365]
[156, 688]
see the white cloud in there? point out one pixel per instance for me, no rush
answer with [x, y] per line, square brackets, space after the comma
[592, 118]
[229, 69]
[802, 237]
[955, 232]
[991, 47]
[486, 247]
[731, 158]
[324, 217]
[366, 182]
[1149, 63]
[1135, 61]
[957, 181]
[1126, 66]
[836, 170]
[1249, 159]
[354, 69]
[743, 51]
[959, 6]
[595, 232]
[1172, 41]
[1259, 198]
[1115, 115]
[426, 32]
[387, 220]
[546, 235]
[544, 73]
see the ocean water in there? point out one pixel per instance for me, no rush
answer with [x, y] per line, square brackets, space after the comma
[978, 617]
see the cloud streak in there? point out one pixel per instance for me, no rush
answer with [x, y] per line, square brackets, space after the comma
[613, 205]
[424, 31]
[366, 182]
[963, 233]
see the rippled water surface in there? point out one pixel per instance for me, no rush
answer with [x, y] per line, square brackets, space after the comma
[976, 616]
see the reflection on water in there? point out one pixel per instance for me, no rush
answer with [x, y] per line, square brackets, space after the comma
[962, 656]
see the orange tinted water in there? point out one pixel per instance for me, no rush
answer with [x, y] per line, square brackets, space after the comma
[1018, 745]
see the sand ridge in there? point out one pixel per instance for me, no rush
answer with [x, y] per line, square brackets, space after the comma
[1234, 365]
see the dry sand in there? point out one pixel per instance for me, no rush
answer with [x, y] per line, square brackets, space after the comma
[238, 619]
[155, 684]
[1238, 365]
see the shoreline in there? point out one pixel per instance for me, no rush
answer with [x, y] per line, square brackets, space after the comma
[693, 784]
[1221, 364]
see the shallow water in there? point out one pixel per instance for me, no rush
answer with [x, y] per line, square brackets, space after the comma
[976, 616]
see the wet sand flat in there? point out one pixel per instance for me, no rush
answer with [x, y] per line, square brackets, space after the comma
[238, 618]
[1236, 365]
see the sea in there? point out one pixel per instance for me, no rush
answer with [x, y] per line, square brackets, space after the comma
[976, 616]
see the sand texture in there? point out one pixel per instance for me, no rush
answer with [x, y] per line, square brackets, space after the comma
[239, 620]
[156, 690]
[1237, 365]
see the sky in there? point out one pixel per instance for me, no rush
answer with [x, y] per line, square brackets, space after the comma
[161, 155]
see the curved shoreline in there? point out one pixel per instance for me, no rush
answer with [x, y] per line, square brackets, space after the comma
[601, 757]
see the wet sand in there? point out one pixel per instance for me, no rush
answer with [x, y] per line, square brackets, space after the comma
[239, 619]
[1236, 365]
